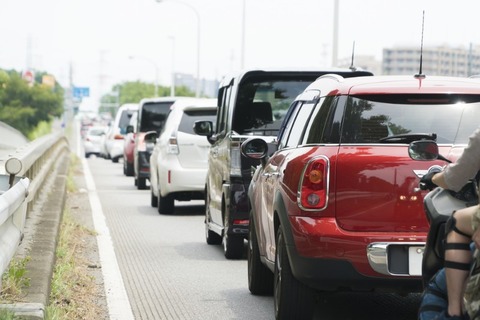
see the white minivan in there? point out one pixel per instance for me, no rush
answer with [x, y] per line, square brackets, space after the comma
[117, 131]
[178, 163]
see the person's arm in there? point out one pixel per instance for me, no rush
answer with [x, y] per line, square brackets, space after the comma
[439, 180]
[456, 175]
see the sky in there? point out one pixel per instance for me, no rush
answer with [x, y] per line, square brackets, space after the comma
[99, 43]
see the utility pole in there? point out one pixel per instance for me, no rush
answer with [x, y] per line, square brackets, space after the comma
[242, 54]
[335, 34]
[28, 64]
[172, 86]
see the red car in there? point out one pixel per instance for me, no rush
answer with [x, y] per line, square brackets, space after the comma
[129, 146]
[336, 206]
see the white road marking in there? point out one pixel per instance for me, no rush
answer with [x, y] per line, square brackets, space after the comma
[117, 299]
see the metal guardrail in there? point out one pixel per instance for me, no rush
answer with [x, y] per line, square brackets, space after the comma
[23, 172]
[12, 219]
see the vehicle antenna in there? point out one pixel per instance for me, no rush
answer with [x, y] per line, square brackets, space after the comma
[352, 67]
[420, 75]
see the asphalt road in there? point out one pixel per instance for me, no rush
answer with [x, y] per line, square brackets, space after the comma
[169, 272]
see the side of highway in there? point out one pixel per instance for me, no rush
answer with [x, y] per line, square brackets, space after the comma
[40, 242]
[41, 236]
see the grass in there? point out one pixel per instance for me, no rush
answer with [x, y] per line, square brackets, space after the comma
[13, 280]
[43, 128]
[74, 162]
[7, 314]
[73, 290]
[72, 287]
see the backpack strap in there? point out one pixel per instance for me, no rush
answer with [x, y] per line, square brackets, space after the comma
[451, 226]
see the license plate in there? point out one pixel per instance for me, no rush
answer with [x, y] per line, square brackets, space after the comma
[415, 256]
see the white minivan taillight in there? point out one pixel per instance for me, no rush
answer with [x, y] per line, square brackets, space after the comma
[172, 146]
[313, 185]
[235, 159]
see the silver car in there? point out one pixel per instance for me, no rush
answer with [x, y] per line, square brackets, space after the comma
[93, 140]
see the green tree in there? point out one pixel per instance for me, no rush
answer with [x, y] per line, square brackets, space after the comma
[133, 92]
[25, 106]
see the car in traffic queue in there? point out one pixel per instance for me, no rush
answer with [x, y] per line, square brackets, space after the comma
[151, 117]
[336, 205]
[129, 145]
[250, 103]
[117, 131]
[93, 140]
[87, 120]
[178, 164]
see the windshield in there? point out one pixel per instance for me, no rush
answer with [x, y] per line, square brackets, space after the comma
[369, 119]
[261, 106]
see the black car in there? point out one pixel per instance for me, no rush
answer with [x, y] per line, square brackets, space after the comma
[252, 103]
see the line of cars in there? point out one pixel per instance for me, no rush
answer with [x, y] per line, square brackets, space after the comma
[103, 136]
[164, 150]
[161, 148]
[135, 135]
[311, 169]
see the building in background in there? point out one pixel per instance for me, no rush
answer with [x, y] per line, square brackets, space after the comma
[363, 62]
[208, 88]
[437, 61]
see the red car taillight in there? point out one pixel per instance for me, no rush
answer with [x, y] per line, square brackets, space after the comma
[241, 222]
[313, 187]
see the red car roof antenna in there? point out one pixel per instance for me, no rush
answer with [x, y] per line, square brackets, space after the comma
[352, 67]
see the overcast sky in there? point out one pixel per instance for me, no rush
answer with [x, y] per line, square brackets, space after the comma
[97, 37]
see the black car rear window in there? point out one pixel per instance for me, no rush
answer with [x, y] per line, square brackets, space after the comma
[368, 119]
[189, 117]
[124, 120]
[154, 115]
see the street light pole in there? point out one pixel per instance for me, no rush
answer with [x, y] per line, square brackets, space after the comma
[242, 54]
[156, 71]
[172, 87]
[197, 80]
[335, 34]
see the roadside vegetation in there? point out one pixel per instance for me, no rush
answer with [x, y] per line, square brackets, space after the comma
[25, 106]
[30, 106]
[73, 289]
[13, 280]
